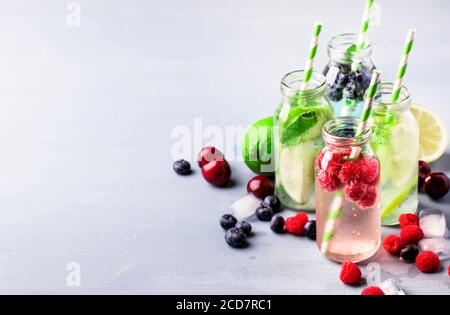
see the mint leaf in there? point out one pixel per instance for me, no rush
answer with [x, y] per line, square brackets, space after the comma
[297, 125]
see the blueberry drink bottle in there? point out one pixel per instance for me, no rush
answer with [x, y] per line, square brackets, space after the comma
[347, 193]
[395, 140]
[348, 74]
[297, 137]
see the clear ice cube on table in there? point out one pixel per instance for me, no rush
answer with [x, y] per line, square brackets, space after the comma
[245, 207]
[439, 245]
[391, 287]
[432, 222]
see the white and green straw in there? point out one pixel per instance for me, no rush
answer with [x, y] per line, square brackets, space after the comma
[362, 37]
[361, 43]
[309, 67]
[335, 209]
[403, 65]
[365, 114]
[333, 215]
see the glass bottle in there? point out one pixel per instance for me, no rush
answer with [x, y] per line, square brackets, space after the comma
[347, 193]
[396, 142]
[348, 74]
[297, 137]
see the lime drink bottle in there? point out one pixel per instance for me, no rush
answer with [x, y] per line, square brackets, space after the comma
[395, 140]
[298, 123]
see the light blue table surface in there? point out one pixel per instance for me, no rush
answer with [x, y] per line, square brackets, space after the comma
[86, 117]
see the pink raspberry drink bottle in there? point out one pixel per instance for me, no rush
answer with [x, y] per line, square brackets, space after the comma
[347, 193]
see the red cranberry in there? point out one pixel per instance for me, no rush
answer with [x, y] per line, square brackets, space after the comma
[217, 173]
[436, 185]
[424, 170]
[260, 186]
[209, 154]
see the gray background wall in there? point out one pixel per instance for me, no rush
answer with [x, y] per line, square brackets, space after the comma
[86, 115]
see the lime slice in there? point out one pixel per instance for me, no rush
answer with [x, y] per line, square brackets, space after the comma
[297, 170]
[433, 134]
[395, 201]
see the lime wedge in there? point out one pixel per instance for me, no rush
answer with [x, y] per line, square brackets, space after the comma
[297, 170]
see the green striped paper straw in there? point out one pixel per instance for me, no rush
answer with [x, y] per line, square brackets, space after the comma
[333, 214]
[349, 105]
[365, 114]
[403, 65]
[362, 37]
[335, 210]
[364, 25]
[309, 67]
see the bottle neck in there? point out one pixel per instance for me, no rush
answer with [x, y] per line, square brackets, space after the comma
[292, 85]
[340, 132]
[340, 52]
[383, 103]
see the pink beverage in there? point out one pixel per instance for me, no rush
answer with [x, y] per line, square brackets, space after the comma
[347, 193]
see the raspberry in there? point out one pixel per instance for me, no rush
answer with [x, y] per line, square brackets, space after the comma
[427, 261]
[372, 291]
[350, 172]
[411, 234]
[329, 182]
[332, 161]
[296, 225]
[302, 217]
[355, 191]
[370, 198]
[392, 244]
[408, 219]
[350, 273]
[369, 170]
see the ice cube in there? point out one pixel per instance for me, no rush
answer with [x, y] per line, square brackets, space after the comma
[432, 222]
[391, 287]
[245, 207]
[439, 245]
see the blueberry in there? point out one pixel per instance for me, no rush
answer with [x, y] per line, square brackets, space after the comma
[335, 94]
[227, 221]
[277, 224]
[352, 78]
[310, 229]
[182, 167]
[342, 80]
[350, 91]
[409, 253]
[359, 78]
[345, 68]
[235, 237]
[244, 226]
[272, 202]
[264, 213]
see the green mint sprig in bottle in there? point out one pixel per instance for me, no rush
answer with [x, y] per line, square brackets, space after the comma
[299, 119]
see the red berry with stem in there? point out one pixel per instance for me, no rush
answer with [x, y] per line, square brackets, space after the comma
[217, 173]
[436, 185]
[261, 186]
[424, 170]
[209, 154]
